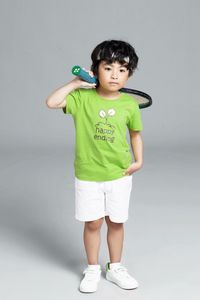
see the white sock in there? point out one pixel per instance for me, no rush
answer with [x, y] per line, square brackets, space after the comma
[94, 267]
[114, 265]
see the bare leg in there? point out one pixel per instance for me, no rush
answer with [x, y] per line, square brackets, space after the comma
[115, 238]
[92, 239]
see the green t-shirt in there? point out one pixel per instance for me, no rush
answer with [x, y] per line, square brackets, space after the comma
[102, 152]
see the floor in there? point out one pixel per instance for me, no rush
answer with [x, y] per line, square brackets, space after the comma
[41, 248]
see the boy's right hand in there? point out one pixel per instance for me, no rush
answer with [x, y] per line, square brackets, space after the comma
[84, 84]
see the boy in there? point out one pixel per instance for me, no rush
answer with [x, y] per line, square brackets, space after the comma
[103, 167]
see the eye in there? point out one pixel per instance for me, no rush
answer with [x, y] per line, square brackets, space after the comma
[122, 70]
[107, 68]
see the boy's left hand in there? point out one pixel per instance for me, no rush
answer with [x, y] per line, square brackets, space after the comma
[133, 168]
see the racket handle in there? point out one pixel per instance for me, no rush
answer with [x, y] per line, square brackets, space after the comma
[78, 71]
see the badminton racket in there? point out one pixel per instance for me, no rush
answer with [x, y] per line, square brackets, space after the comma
[143, 99]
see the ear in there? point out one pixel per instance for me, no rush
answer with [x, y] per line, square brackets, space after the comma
[96, 74]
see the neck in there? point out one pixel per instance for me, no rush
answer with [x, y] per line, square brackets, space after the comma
[107, 94]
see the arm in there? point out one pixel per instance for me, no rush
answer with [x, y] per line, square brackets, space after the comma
[137, 148]
[57, 98]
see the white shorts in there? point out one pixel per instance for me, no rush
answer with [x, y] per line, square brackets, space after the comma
[96, 199]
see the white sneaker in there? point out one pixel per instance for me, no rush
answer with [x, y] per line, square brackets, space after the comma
[92, 275]
[118, 274]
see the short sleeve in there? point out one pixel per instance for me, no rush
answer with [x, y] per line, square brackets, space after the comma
[73, 102]
[135, 121]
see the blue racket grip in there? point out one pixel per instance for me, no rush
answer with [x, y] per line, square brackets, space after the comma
[78, 71]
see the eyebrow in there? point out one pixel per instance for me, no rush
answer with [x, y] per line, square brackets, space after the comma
[122, 66]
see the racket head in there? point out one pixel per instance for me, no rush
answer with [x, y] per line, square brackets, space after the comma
[143, 99]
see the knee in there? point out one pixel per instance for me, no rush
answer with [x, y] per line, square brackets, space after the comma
[113, 225]
[94, 225]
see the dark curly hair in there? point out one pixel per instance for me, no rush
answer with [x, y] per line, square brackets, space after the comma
[114, 50]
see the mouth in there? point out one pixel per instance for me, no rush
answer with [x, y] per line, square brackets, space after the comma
[115, 83]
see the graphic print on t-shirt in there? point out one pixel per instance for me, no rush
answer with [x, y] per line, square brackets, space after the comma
[105, 130]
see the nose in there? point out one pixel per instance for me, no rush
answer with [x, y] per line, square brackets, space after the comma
[114, 74]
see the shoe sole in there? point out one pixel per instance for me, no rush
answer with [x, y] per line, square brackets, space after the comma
[87, 292]
[120, 285]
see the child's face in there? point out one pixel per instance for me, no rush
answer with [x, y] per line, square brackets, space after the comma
[112, 77]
